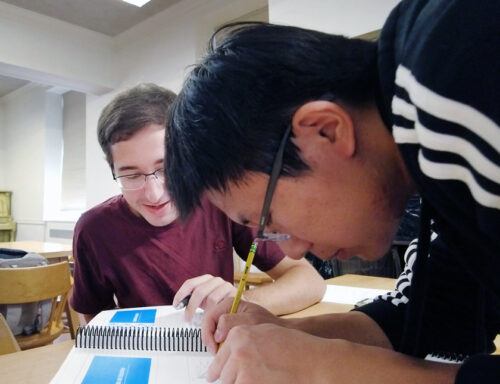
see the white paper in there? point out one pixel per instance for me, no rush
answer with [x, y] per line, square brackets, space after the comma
[349, 295]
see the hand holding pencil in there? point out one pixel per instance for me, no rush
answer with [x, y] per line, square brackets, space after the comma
[261, 236]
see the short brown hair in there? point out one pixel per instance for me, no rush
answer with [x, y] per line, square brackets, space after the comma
[129, 112]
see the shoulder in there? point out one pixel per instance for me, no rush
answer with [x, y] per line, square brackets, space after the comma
[450, 46]
[444, 73]
[100, 214]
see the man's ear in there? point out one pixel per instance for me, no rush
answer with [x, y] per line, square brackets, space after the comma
[318, 124]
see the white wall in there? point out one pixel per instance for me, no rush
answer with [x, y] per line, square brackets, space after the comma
[24, 153]
[62, 57]
[24, 134]
[73, 178]
[49, 51]
[345, 17]
[2, 146]
[52, 155]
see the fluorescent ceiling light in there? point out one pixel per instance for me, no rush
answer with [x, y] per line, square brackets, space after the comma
[138, 3]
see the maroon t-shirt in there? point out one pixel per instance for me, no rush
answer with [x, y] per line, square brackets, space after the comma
[118, 253]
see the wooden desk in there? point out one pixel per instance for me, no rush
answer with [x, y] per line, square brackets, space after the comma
[33, 366]
[358, 281]
[54, 252]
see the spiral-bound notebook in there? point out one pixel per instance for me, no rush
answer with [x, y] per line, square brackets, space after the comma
[136, 346]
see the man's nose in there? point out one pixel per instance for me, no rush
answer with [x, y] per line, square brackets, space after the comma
[153, 188]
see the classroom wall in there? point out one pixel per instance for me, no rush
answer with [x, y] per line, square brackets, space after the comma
[2, 145]
[73, 187]
[24, 134]
[345, 17]
[53, 52]
[53, 153]
[62, 57]
[31, 138]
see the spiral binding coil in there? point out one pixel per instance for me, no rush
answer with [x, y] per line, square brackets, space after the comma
[140, 338]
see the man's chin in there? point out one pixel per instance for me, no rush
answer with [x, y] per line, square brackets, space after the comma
[161, 221]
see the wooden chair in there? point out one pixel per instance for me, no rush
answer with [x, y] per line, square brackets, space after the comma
[26, 285]
[72, 317]
[8, 343]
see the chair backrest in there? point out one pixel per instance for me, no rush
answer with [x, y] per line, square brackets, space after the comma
[33, 284]
[8, 342]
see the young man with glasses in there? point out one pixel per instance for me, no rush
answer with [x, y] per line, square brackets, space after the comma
[132, 249]
[365, 125]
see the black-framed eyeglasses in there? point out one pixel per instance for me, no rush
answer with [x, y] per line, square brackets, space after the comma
[136, 181]
[271, 186]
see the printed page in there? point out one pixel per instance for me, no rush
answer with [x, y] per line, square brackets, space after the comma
[125, 367]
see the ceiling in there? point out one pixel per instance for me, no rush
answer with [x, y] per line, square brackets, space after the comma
[110, 17]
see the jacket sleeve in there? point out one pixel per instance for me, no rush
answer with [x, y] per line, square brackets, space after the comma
[483, 369]
[388, 310]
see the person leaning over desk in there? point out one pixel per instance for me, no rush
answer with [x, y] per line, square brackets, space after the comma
[365, 125]
[132, 246]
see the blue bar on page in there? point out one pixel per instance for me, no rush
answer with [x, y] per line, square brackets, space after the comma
[136, 316]
[118, 370]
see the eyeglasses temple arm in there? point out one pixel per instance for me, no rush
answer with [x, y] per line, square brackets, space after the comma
[273, 180]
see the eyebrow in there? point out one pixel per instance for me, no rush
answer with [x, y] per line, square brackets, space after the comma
[134, 168]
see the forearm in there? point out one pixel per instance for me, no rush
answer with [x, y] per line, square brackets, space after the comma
[300, 287]
[355, 363]
[352, 326]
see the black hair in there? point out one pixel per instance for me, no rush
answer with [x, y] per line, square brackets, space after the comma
[129, 112]
[237, 102]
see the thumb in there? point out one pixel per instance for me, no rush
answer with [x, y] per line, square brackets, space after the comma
[225, 324]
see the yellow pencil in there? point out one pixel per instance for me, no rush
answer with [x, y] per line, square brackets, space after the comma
[242, 283]
[243, 280]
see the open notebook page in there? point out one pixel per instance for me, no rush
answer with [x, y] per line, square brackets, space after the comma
[90, 365]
